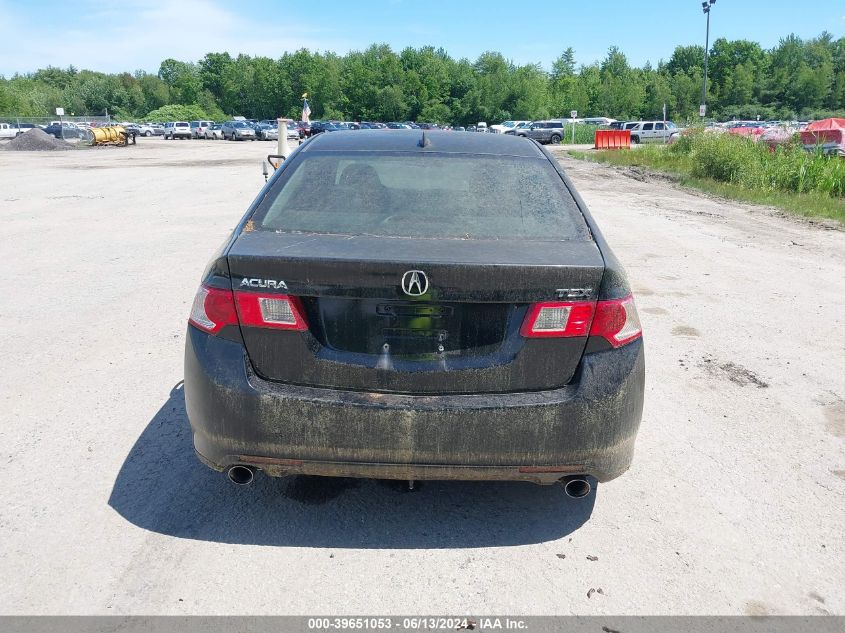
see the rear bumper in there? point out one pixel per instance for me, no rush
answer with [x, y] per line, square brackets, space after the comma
[585, 428]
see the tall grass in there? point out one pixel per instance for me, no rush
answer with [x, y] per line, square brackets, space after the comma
[806, 183]
[584, 134]
[741, 161]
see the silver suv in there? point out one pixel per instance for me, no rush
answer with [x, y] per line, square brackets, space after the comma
[199, 128]
[543, 131]
[177, 129]
[654, 131]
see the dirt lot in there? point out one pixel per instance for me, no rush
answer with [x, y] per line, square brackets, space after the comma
[734, 504]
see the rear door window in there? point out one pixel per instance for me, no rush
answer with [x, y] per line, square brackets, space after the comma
[427, 196]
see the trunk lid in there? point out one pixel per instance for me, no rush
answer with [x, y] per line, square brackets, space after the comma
[366, 333]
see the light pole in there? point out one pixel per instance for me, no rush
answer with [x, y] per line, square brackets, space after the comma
[706, 6]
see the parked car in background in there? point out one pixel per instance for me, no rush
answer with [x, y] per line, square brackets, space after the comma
[238, 131]
[10, 130]
[293, 131]
[64, 130]
[623, 125]
[395, 125]
[213, 132]
[177, 129]
[145, 129]
[198, 128]
[267, 132]
[481, 126]
[505, 126]
[654, 131]
[459, 128]
[318, 127]
[550, 131]
[597, 120]
[523, 125]
[420, 349]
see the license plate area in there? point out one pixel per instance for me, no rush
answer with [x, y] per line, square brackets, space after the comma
[408, 328]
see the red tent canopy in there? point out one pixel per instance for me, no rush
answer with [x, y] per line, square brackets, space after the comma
[827, 132]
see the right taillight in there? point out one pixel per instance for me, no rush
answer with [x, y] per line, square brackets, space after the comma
[617, 321]
[213, 309]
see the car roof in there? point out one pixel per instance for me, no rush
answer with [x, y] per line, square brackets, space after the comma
[409, 141]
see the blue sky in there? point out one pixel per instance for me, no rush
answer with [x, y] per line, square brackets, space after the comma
[138, 34]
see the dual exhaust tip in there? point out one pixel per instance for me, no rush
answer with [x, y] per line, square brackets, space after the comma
[575, 487]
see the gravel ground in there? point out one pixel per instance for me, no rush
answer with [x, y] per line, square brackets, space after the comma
[734, 504]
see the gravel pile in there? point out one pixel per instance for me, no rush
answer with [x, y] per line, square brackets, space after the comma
[36, 140]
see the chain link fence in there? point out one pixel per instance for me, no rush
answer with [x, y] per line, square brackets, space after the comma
[68, 128]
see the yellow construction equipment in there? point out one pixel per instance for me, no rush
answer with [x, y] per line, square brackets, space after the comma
[111, 135]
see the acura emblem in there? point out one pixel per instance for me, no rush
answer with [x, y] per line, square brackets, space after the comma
[415, 283]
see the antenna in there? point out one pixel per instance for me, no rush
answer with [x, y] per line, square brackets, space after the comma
[424, 141]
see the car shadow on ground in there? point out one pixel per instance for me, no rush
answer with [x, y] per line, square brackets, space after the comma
[162, 487]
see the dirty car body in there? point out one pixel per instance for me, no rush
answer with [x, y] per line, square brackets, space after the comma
[416, 306]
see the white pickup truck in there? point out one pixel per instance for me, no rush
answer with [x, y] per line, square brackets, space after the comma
[9, 130]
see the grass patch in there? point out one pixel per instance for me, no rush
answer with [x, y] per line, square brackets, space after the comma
[802, 183]
[584, 134]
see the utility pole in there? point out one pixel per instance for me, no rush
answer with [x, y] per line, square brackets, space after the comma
[706, 6]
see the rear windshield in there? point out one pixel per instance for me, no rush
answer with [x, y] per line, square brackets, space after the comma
[427, 196]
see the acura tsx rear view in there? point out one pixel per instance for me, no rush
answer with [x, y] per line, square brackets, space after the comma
[416, 305]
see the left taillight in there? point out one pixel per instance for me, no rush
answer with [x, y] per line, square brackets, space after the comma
[213, 309]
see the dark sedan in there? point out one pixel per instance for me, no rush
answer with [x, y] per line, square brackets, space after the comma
[318, 127]
[416, 305]
[64, 131]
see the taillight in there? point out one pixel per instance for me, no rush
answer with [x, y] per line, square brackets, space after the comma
[558, 319]
[617, 321]
[270, 311]
[213, 309]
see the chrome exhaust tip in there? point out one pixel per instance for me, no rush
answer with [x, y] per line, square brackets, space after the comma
[241, 475]
[576, 487]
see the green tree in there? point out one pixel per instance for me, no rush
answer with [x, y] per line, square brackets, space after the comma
[182, 78]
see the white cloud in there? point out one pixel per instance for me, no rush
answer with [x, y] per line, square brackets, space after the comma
[143, 32]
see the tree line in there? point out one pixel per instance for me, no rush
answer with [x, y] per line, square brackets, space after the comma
[795, 79]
